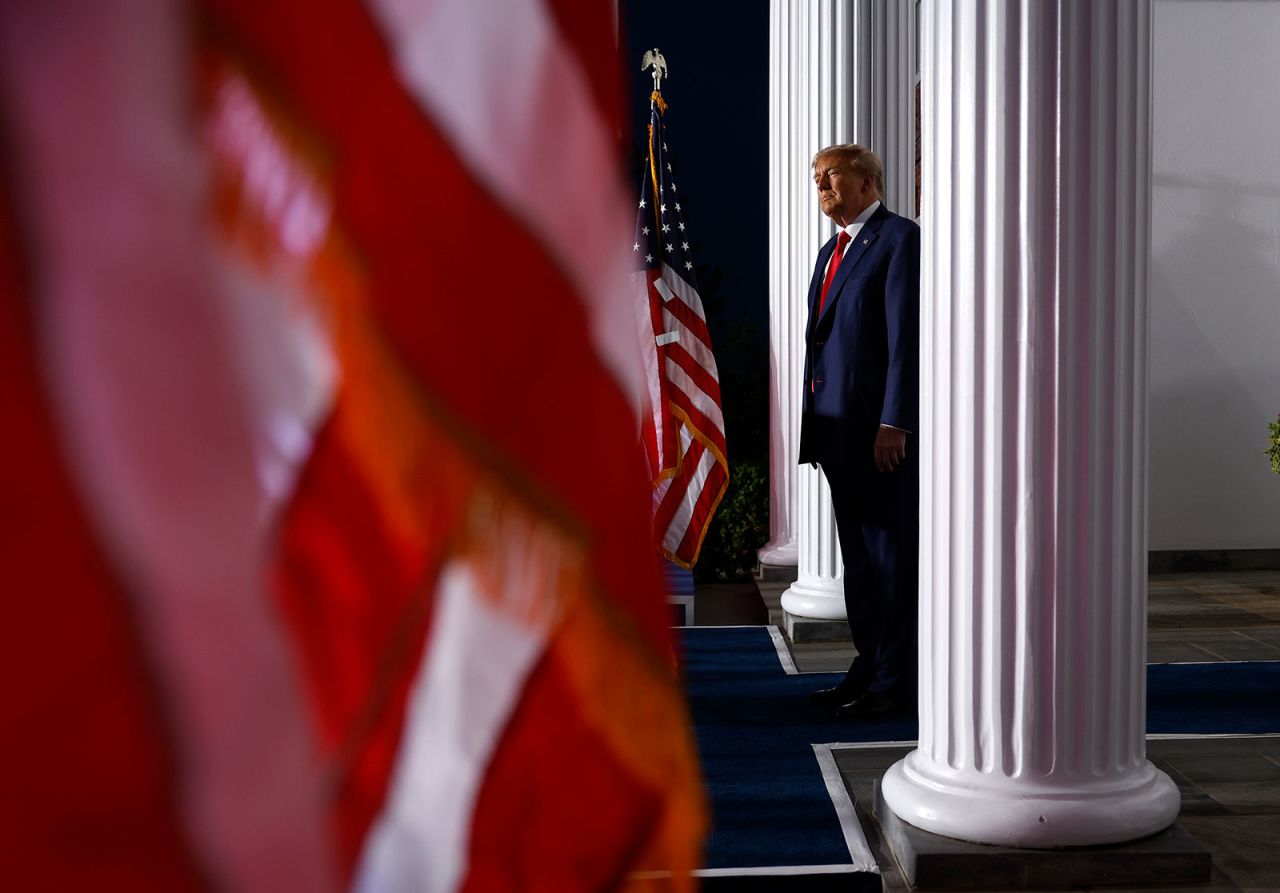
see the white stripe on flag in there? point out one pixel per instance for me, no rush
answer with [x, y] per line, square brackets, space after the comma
[652, 375]
[493, 75]
[700, 399]
[661, 286]
[660, 491]
[472, 675]
[679, 287]
[699, 351]
[291, 369]
[679, 525]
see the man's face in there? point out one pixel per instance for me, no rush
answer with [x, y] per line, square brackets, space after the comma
[843, 193]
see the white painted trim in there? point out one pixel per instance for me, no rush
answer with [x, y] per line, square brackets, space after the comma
[779, 644]
[754, 871]
[868, 745]
[1198, 663]
[1154, 736]
[859, 849]
[1174, 736]
[778, 869]
[686, 604]
[784, 653]
[727, 626]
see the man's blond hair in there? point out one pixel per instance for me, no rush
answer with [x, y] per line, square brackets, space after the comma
[859, 158]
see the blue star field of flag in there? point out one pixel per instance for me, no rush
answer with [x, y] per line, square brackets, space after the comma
[661, 235]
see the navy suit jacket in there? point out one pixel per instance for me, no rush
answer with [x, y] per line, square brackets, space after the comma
[862, 355]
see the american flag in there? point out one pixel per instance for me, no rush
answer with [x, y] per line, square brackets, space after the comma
[312, 595]
[683, 430]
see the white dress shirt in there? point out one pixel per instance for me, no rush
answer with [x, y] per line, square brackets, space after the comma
[853, 228]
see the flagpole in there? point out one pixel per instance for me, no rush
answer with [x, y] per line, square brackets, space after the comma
[654, 59]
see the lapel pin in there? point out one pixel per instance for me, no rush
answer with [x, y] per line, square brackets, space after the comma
[866, 241]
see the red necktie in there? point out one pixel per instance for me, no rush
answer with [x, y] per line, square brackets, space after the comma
[836, 256]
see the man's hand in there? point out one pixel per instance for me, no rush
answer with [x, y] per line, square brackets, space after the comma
[891, 448]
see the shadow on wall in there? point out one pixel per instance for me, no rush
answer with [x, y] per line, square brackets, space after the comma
[1215, 366]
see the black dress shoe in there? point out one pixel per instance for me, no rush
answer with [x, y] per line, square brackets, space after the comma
[836, 695]
[868, 704]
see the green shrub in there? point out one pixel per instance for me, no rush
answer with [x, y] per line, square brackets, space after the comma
[1273, 451]
[739, 528]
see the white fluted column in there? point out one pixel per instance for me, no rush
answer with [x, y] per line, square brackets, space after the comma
[787, 135]
[1036, 206]
[840, 72]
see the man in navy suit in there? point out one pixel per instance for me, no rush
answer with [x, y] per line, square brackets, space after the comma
[860, 404]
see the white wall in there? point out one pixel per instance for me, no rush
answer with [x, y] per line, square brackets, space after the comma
[1215, 274]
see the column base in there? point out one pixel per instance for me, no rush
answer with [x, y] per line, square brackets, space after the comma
[778, 564]
[785, 554]
[802, 629]
[776, 573]
[815, 602]
[814, 613]
[1109, 811]
[930, 861]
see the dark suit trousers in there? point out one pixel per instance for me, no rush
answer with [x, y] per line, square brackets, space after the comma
[877, 523]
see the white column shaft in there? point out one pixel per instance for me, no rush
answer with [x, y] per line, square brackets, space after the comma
[1036, 197]
[785, 322]
[840, 72]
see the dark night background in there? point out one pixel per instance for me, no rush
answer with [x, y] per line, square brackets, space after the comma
[717, 133]
[717, 126]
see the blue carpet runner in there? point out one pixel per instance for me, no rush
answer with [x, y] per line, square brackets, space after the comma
[755, 732]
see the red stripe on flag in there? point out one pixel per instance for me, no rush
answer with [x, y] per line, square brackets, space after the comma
[572, 848]
[703, 508]
[581, 26]
[704, 379]
[359, 604]
[698, 421]
[689, 318]
[669, 446]
[345, 585]
[674, 497]
[91, 783]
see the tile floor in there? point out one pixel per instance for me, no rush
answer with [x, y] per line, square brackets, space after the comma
[1230, 786]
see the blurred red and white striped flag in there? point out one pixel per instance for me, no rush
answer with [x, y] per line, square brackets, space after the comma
[315, 596]
[683, 427]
